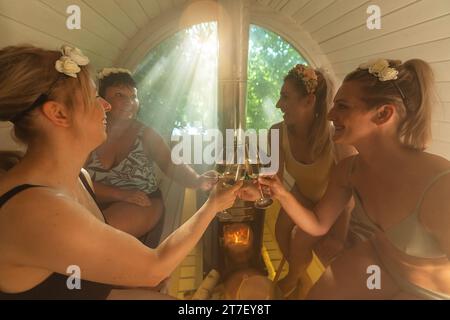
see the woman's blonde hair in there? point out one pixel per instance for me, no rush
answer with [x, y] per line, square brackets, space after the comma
[413, 94]
[319, 138]
[26, 73]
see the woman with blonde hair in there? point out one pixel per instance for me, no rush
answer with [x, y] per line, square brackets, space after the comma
[401, 192]
[50, 224]
[307, 154]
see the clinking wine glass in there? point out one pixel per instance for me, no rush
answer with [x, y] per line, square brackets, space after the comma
[231, 173]
[254, 172]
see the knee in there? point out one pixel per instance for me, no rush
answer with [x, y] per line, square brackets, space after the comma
[153, 216]
[321, 289]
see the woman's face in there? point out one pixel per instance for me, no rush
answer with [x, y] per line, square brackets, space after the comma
[92, 123]
[351, 117]
[124, 102]
[296, 109]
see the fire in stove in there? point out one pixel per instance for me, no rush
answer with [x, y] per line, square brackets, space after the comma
[237, 234]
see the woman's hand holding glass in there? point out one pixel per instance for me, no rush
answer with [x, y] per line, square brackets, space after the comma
[207, 180]
[223, 197]
[274, 186]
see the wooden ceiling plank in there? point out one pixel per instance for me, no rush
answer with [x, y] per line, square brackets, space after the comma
[90, 21]
[114, 15]
[134, 10]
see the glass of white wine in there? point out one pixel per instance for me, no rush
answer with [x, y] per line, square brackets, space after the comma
[254, 172]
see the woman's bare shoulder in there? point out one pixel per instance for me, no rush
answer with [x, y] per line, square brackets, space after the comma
[436, 162]
[37, 203]
[35, 214]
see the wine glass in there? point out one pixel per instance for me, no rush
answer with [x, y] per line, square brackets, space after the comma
[265, 201]
[231, 174]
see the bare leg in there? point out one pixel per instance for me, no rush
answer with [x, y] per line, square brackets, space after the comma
[134, 219]
[295, 244]
[283, 230]
[299, 258]
[346, 277]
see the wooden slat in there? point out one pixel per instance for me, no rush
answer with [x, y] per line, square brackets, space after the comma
[281, 4]
[441, 148]
[332, 13]
[444, 130]
[430, 52]
[91, 21]
[426, 32]
[275, 3]
[311, 9]
[435, 130]
[114, 15]
[20, 27]
[398, 20]
[293, 7]
[443, 89]
[178, 3]
[151, 8]
[446, 110]
[165, 5]
[133, 9]
[356, 18]
[441, 70]
[264, 2]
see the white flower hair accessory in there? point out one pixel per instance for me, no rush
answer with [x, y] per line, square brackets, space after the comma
[105, 72]
[307, 75]
[380, 68]
[70, 61]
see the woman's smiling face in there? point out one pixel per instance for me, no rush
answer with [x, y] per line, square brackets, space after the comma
[295, 107]
[350, 115]
[124, 102]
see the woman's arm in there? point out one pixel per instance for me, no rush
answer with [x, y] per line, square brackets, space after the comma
[316, 222]
[340, 229]
[157, 149]
[60, 232]
[106, 193]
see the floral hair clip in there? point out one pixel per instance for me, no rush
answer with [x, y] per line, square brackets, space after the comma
[105, 72]
[380, 68]
[70, 61]
[307, 75]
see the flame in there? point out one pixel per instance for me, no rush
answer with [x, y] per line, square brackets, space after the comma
[237, 235]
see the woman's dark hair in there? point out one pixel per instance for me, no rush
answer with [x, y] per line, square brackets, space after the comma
[115, 79]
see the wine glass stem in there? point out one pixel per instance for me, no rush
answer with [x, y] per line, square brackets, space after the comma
[261, 192]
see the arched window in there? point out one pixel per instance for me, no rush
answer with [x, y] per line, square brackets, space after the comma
[177, 81]
[270, 58]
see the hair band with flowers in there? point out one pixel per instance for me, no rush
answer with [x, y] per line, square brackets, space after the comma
[380, 68]
[105, 72]
[70, 61]
[307, 75]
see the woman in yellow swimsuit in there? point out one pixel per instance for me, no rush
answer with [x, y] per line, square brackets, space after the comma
[307, 154]
[384, 109]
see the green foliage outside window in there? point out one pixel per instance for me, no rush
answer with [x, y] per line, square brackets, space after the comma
[177, 80]
[270, 59]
